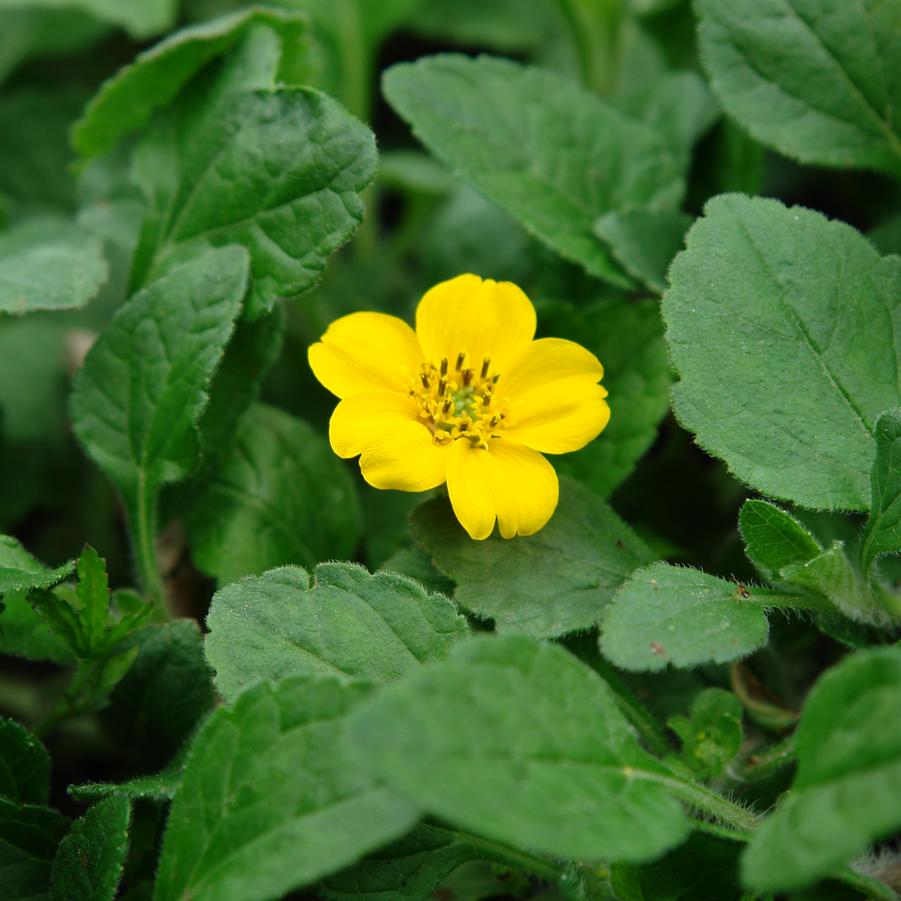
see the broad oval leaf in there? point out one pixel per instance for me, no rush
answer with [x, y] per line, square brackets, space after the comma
[780, 324]
[277, 496]
[29, 836]
[346, 620]
[773, 538]
[551, 153]
[845, 795]
[819, 80]
[530, 747]
[282, 800]
[549, 584]
[672, 614]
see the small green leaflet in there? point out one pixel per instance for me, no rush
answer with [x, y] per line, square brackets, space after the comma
[88, 864]
[845, 794]
[820, 81]
[48, 264]
[137, 399]
[529, 744]
[128, 100]
[773, 538]
[24, 765]
[779, 324]
[711, 736]
[882, 534]
[19, 571]
[278, 495]
[345, 620]
[549, 584]
[558, 169]
[671, 614]
[290, 804]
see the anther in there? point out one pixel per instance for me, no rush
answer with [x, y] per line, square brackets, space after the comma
[486, 399]
[442, 385]
[460, 359]
[495, 378]
[444, 365]
[485, 364]
[445, 409]
[467, 376]
[425, 380]
[494, 420]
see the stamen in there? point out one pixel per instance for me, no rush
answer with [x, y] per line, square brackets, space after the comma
[446, 407]
[485, 364]
[461, 357]
[444, 365]
[486, 399]
[495, 378]
[425, 380]
[442, 383]
[467, 376]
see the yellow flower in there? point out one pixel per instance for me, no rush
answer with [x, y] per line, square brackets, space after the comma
[469, 398]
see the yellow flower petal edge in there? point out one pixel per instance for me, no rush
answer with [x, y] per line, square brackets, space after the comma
[470, 398]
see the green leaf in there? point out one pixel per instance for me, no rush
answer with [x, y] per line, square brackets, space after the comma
[882, 534]
[93, 595]
[672, 614]
[164, 694]
[346, 621]
[137, 399]
[128, 100]
[29, 836]
[773, 538]
[282, 800]
[712, 734]
[644, 241]
[300, 160]
[414, 562]
[19, 571]
[549, 584]
[818, 81]
[495, 720]
[24, 765]
[701, 869]
[48, 264]
[89, 862]
[160, 786]
[278, 496]
[25, 633]
[141, 20]
[627, 337]
[558, 167]
[848, 781]
[776, 374]
[410, 869]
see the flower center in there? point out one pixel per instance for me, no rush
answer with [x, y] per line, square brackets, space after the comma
[458, 401]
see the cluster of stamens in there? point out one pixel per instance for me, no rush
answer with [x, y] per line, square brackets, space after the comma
[458, 401]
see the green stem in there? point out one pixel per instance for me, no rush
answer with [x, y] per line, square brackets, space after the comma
[142, 520]
[500, 853]
[771, 760]
[700, 798]
[874, 889]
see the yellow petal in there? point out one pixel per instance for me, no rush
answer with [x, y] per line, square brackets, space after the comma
[366, 352]
[482, 318]
[396, 449]
[555, 404]
[506, 481]
[561, 417]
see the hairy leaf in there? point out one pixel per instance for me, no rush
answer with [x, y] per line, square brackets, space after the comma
[552, 154]
[24, 765]
[819, 80]
[89, 862]
[29, 836]
[281, 798]
[773, 538]
[671, 614]
[780, 324]
[555, 582]
[882, 534]
[529, 744]
[278, 496]
[19, 571]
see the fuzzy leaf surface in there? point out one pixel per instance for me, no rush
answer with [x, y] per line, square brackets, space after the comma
[89, 861]
[780, 324]
[530, 745]
[845, 793]
[551, 153]
[19, 571]
[671, 614]
[882, 534]
[819, 80]
[29, 835]
[282, 800]
[773, 538]
[345, 620]
[278, 496]
[49, 265]
[555, 582]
